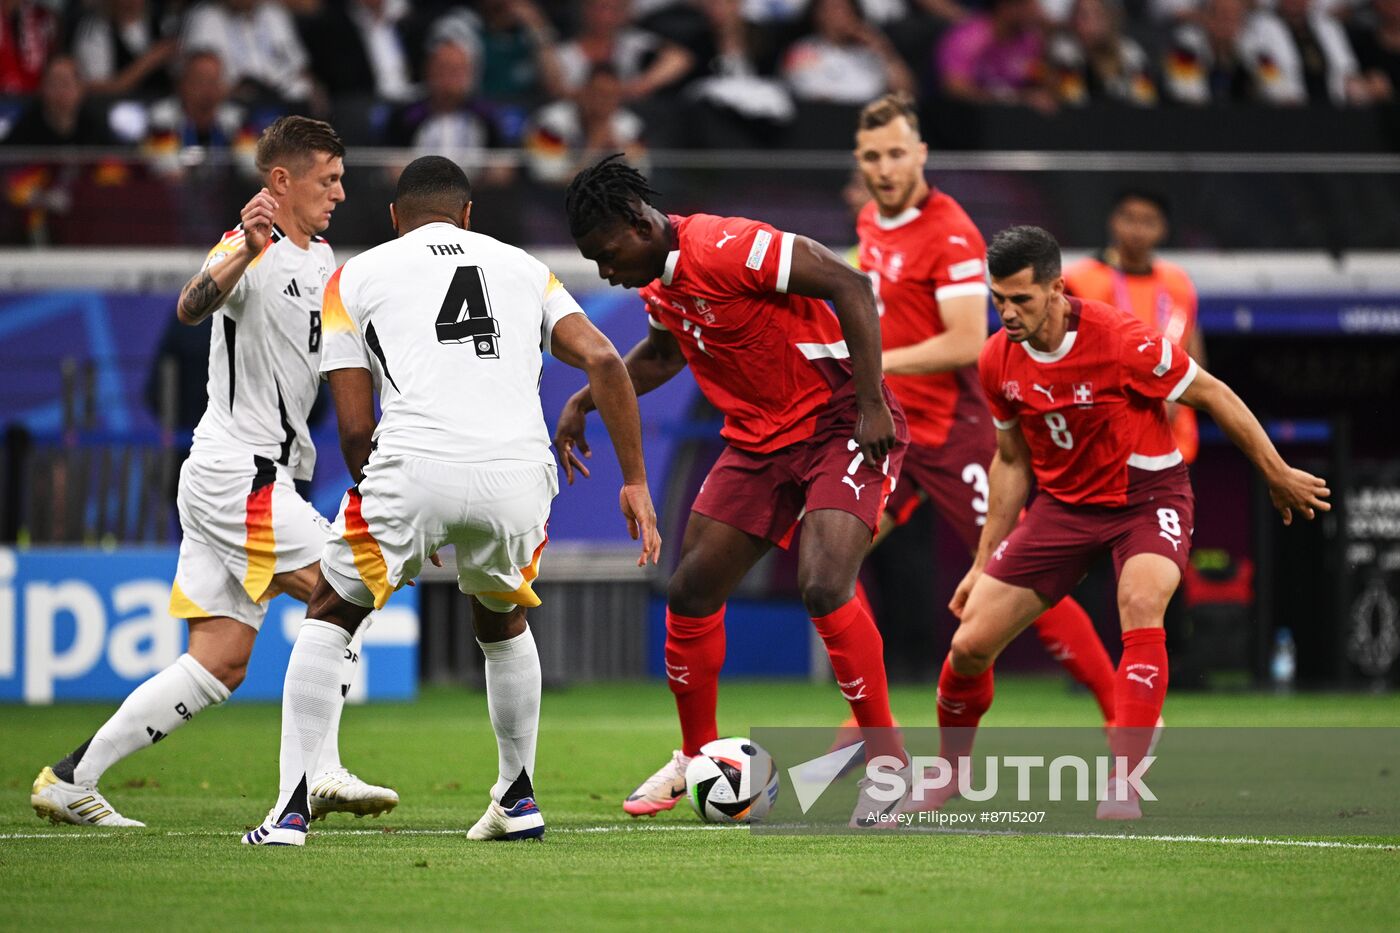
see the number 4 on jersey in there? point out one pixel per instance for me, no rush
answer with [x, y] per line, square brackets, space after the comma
[466, 314]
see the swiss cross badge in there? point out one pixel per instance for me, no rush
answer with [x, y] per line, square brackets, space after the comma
[1083, 393]
[1011, 389]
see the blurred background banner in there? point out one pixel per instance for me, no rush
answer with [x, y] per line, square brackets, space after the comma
[92, 624]
[84, 372]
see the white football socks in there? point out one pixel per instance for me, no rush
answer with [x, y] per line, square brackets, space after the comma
[149, 713]
[330, 753]
[513, 697]
[310, 698]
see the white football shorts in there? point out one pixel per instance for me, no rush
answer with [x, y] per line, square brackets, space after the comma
[243, 523]
[494, 514]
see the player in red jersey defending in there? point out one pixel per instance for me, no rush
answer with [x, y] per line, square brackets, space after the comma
[926, 261]
[1077, 390]
[813, 436]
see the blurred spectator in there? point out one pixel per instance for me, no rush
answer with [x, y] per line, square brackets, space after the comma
[997, 57]
[1324, 53]
[257, 40]
[1233, 55]
[1170, 13]
[356, 49]
[1378, 51]
[1093, 60]
[517, 44]
[645, 62]
[59, 117]
[726, 46]
[765, 12]
[1129, 275]
[729, 78]
[28, 38]
[894, 13]
[450, 120]
[122, 50]
[199, 115]
[845, 60]
[47, 193]
[567, 135]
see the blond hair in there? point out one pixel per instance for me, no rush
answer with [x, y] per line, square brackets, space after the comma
[885, 110]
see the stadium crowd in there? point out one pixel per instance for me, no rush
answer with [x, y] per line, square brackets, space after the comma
[526, 92]
[566, 79]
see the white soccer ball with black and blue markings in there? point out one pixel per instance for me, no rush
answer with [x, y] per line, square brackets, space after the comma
[732, 781]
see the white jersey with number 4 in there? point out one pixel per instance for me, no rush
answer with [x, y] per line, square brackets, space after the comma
[265, 354]
[453, 325]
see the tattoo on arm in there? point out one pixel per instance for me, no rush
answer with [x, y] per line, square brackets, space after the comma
[202, 296]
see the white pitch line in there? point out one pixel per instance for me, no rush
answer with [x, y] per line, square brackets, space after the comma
[678, 828]
[98, 833]
[1214, 840]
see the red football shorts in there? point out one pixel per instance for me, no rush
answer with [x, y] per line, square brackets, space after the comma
[952, 475]
[1051, 549]
[766, 495]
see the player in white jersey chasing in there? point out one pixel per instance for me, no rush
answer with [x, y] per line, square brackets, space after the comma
[450, 326]
[248, 535]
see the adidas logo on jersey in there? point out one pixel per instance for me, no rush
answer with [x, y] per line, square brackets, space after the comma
[155, 734]
[292, 289]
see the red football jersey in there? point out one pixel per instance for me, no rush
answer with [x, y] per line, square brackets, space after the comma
[930, 253]
[768, 360]
[1092, 410]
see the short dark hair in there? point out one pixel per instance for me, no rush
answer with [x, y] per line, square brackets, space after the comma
[295, 138]
[1156, 199]
[1015, 248]
[885, 110]
[432, 185]
[604, 193]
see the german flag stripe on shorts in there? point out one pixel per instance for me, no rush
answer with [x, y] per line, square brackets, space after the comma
[524, 594]
[260, 544]
[369, 559]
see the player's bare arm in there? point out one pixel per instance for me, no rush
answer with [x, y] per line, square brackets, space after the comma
[654, 361]
[817, 272]
[1292, 490]
[207, 290]
[1008, 485]
[965, 330]
[577, 343]
[352, 390]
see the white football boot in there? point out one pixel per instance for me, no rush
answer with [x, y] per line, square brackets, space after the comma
[288, 831]
[1130, 807]
[339, 791]
[873, 813]
[60, 801]
[661, 790]
[521, 821]
[1112, 808]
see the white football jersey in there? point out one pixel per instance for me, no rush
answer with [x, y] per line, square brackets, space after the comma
[453, 325]
[265, 353]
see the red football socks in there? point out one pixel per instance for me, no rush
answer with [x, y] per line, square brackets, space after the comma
[1141, 691]
[857, 655]
[694, 656]
[864, 600]
[962, 701]
[1068, 634]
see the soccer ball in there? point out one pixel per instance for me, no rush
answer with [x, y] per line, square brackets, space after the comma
[732, 781]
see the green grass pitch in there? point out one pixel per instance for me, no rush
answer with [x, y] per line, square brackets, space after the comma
[597, 868]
